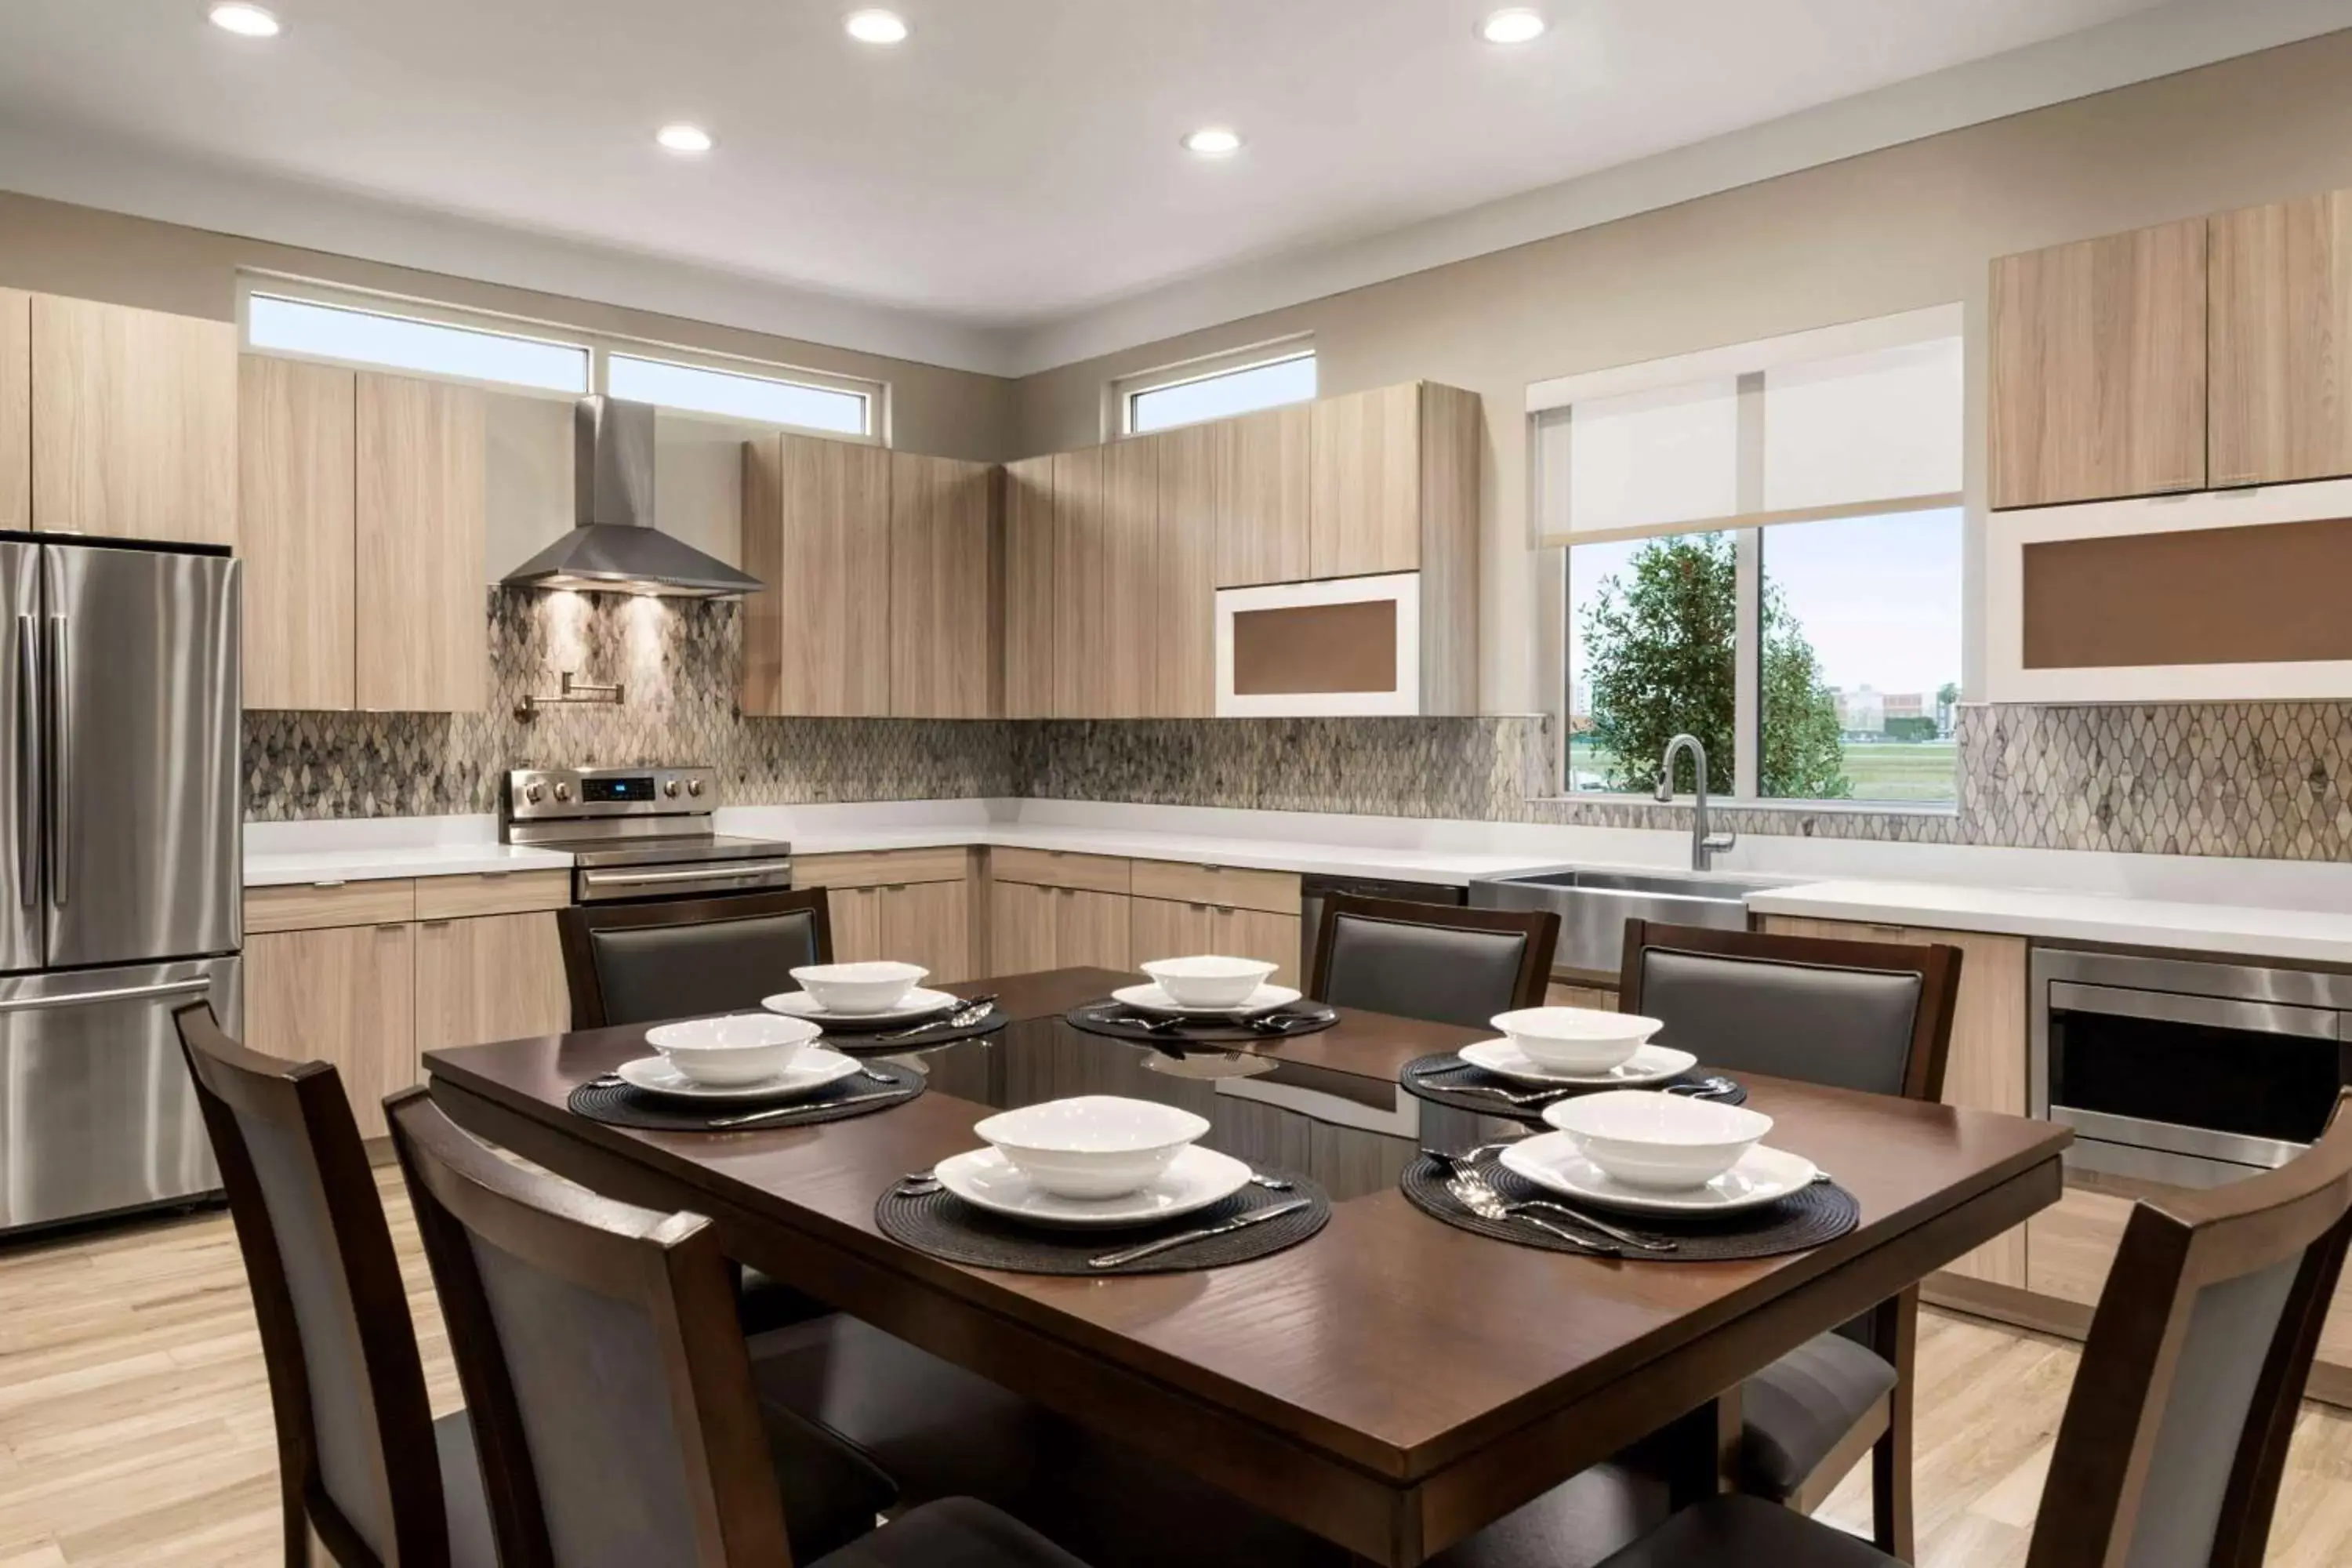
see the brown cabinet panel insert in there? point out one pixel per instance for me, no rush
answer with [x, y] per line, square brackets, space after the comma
[2263, 594]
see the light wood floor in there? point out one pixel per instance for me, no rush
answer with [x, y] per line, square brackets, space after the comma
[135, 1428]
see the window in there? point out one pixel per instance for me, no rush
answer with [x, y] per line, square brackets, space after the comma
[736, 395]
[1193, 393]
[1764, 548]
[402, 342]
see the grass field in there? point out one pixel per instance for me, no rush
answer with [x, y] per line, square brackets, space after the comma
[1900, 772]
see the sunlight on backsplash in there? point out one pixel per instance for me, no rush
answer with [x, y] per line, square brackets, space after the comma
[565, 615]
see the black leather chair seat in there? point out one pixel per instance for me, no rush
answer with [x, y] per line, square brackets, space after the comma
[955, 1532]
[1744, 1532]
[1799, 1408]
[763, 1303]
[1574, 1525]
[471, 1544]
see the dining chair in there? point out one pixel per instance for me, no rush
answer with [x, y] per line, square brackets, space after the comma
[1876, 1017]
[640, 963]
[346, 1386]
[616, 1406]
[2175, 1435]
[1439, 963]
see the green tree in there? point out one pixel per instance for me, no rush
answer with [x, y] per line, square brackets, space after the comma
[1660, 648]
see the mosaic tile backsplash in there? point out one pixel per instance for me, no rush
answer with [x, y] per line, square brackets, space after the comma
[2266, 780]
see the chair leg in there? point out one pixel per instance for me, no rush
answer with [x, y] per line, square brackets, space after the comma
[298, 1528]
[1890, 1457]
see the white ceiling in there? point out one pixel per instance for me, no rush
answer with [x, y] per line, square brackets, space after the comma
[1013, 164]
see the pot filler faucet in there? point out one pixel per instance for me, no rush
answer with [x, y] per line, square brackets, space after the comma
[1704, 846]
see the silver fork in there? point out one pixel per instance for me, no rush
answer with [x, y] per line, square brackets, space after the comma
[1514, 1096]
[1624, 1237]
[1470, 1191]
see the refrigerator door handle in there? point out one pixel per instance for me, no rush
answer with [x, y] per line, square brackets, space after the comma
[28, 763]
[61, 748]
[195, 987]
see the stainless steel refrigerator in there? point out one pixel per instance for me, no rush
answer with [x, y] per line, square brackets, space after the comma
[119, 866]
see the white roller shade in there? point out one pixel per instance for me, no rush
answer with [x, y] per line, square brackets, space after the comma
[1649, 458]
[1883, 425]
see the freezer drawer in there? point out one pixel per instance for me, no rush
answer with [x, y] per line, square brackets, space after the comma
[97, 1114]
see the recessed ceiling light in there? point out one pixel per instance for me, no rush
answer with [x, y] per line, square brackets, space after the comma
[684, 137]
[245, 21]
[875, 27]
[1214, 141]
[1516, 25]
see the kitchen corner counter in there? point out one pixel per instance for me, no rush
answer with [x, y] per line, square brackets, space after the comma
[1449, 867]
[379, 863]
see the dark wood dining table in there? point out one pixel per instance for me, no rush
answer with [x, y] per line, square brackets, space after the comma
[1393, 1384]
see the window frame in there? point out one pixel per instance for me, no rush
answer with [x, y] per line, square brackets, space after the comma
[598, 346]
[1122, 392]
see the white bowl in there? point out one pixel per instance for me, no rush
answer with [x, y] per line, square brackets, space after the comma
[1664, 1142]
[1209, 981]
[1094, 1146]
[1576, 1039]
[742, 1048]
[875, 986]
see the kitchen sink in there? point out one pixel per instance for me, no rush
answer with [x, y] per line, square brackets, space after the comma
[1593, 907]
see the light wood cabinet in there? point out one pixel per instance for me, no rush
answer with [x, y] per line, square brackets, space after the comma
[816, 532]
[490, 977]
[1262, 516]
[297, 480]
[929, 924]
[1081, 625]
[943, 590]
[134, 423]
[913, 905]
[1127, 636]
[1029, 603]
[1364, 503]
[491, 893]
[1163, 928]
[1240, 887]
[1061, 868]
[854, 916]
[1194, 486]
[301, 906]
[873, 868]
[2071, 1245]
[344, 995]
[1020, 928]
[1599, 998]
[1089, 930]
[2099, 368]
[422, 606]
[15, 408]
[2278, 406]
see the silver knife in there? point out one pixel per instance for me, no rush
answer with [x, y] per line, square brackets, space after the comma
[1184, 1238]
[747, 1120]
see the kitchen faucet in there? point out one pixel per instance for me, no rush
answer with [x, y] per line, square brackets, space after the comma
[1704, 845]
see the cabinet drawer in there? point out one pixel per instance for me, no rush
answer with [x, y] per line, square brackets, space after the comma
[1231, 887]
[880, 868]
[1056, 868]
[314, 906]
[491, 893]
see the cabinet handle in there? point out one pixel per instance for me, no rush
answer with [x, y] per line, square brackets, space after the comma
[894, 886]
[1224, 909]
[337, 882]
[1202, 906]
[424, 925]
[494, 875]
[2239, 483]
[393, 925]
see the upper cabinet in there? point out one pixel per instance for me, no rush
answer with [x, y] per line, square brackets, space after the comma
[816, 530]
[1261, 496]
[2098, 368]
[2281, 330]
[943, 609]
[16, 409]
[422, 607]
[1028, 605]
[133, 416]
[297, 485]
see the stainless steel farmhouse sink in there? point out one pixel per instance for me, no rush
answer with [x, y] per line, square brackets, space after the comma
[1593, 906]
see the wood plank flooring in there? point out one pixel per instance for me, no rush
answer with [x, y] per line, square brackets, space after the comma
[135, 1428]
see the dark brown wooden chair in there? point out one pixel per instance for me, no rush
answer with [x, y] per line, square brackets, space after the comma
[640, 963]
[1870, 1015]
[2175, 1437]
[616, 1401]
[360, 1461]
[1440, 962]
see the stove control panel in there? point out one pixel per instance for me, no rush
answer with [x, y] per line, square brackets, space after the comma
[573, 795]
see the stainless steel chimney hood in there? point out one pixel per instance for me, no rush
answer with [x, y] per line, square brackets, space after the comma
[616, 548]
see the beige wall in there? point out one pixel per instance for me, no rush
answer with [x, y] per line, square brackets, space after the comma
[1891, 231]
[54, 247]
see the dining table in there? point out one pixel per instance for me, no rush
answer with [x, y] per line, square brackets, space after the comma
[1392, 1385]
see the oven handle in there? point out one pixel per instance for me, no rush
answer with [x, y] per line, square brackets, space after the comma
[2254, 1017]
[732, 870]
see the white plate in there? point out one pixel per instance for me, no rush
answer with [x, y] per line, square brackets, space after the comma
[916, 1003]
[1762, 1175]
[1651, 1064]
[1196, 1178]
[1152, 999]
[811, 1070]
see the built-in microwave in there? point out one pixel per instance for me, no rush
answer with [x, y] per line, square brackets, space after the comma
[1339, 646]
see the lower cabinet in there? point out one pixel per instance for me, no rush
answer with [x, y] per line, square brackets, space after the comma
[1164, 928]
[1032, 927]
[345, 995]
[1020, 928]
[1599, 998]
[494, 977]
[928, 923]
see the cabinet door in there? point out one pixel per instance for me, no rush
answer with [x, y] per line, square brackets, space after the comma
[1262, 528]
[854, 915]
[929, 924]
[943, 617]
[816, 530]
[1029, 601]
[1089, 930]
[423, 605]
[1130, 626]
[1020, 928]
[16, 409]
[134, 423]
[2281, 327]
[1194, 474]
[2072, 1244]
[297, 486]
[1081, 625]
[1364, 501]
[490, 977]
[343, 995]
[2098, 368]
[1254, 934]
[1164, 928]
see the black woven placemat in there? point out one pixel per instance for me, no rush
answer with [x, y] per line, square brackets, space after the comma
[1822, 1211]
[945, 1226]
[897, 1041]
[1422, 1079]
[1107, 1019]
[619, 1105]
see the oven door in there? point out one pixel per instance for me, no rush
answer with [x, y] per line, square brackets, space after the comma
[608, 884]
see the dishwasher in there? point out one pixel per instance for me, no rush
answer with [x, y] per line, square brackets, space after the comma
[1313, 890]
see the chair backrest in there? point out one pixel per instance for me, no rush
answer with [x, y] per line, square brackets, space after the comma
[608, 1381]
[638, 963]
[345, 1381]
[2175, 1437]
[1441, 963]
[1873, 1015]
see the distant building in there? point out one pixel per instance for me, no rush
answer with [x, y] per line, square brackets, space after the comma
[1860, 711]
[1907, 705]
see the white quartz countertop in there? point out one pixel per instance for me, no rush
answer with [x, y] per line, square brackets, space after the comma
[1452, 868]
[375, 863]
[2321, 937]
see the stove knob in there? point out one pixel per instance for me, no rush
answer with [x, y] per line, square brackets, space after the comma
[694, 786]
[563, 792]
[533, 791]
[670, 789]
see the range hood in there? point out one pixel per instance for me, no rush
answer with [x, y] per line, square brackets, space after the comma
[616, 547]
